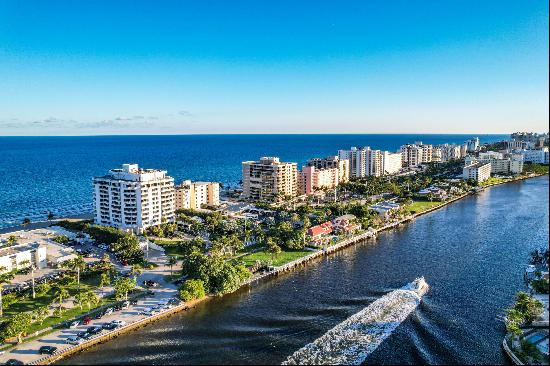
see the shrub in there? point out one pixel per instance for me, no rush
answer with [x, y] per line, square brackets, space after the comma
[192, 289]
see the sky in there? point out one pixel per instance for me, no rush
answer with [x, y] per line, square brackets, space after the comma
[188, 67]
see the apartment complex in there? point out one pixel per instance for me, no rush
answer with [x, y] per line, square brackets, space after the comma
[357, 158]
[416, 154]
[539, 156]
[195, 194]
[367, 162]
[133, 199]
[472, 145]
[332, 162]
[312, 178]
[268, 179]
[391, 162]
[500, 164]
[477, 171]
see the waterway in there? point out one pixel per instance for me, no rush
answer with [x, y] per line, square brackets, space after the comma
[472, 253]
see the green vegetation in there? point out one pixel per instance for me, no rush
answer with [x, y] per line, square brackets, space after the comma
[219, 276]
[283, 257]
[420, 206]
[123, 286]
[540, 286]
[61, 239]
[525, 310]
[493, 180]
[192, 290]
[535, 168]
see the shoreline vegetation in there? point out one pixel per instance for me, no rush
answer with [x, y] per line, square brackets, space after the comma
[214, 261]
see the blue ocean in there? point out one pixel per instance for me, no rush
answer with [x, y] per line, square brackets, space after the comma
[41, 174]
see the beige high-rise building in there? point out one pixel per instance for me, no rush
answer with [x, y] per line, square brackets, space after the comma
[416, 154]
[332, 162]
[268, 179]
[195, 194]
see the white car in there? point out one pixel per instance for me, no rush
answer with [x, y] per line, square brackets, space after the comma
[74, 341]
[119, 323]
[74, 324]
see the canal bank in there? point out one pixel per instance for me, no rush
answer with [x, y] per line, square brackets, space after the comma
[455, 247]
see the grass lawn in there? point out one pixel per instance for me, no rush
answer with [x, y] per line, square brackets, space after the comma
[493, 180]
[30, 304]
[421, 206]
[171, 247]
[282, 258]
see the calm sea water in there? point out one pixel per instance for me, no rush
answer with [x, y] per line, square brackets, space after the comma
[472, 253]
[41, 174]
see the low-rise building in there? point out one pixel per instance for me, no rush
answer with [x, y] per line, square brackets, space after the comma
[384, 208]
[539, 156]
[345, 224]
[511, 164]
[195, 194]
[317, 233]
[436, 192]
[478, 171]
[22, 256]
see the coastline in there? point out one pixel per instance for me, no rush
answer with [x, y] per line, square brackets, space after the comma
[257, 279]
[46, 223]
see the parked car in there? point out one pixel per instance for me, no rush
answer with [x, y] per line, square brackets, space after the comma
[108, 311]
[74, 340]
[110, 326]
[125, 305]
[49, 350]
[150, 283]
[133, 302]
[74, 324]
[119, 323]
[13, 361]
[94, 329]
[87, 320]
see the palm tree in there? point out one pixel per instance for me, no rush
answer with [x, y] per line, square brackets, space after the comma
[61, 293]
[51, 216]
[4, 279]
[104, 279]
[136, 270]
[12, 240]
[172, 261]
[76, 265]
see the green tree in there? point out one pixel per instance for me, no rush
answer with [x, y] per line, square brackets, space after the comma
[192, 289]
[80, 300]
[273, 248]
[123, 286]
[136, 270]
[171, 261]
[41, 314]
[61, 293]
[12, 240]
[18, 325]
[76, 265]
[4, 279]
[91, 299]
[104, 279]
[43, 288]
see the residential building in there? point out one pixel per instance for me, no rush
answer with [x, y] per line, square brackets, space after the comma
[311, 179]
[345, 224]
[133, 199]
[268, 179]
[413, 155]
[357, 158]
[472, 145]
[529, 137]
[437, 154]
[333, 162]
[384, 208]
[23, 256]
[511, 164]
[539, 156]
[478, 171]
[319, 232]
[519, 145]
[391, 162]
[195, 194]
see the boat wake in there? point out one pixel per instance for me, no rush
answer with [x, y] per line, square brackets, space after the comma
[351, 341]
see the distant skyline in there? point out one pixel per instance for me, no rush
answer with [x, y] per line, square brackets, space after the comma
[199, 67]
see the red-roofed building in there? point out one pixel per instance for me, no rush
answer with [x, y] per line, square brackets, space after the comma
[319, 231]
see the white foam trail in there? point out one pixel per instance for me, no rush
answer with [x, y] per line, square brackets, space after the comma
[350, 342]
